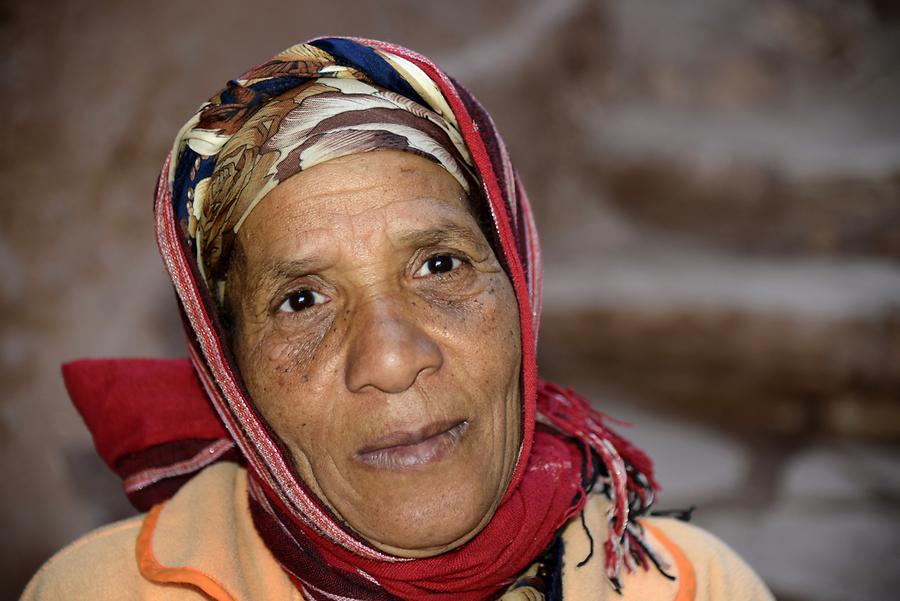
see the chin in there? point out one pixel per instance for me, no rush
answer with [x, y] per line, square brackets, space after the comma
[431, 525]
[425, 514]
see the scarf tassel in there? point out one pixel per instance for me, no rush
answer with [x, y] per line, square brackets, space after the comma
[628, 480]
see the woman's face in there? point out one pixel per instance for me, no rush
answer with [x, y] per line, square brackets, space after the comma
[378, 335]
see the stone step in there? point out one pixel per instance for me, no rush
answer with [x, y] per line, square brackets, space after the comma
[792, 347]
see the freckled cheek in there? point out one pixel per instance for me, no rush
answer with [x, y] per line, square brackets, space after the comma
[287, 397]
[279, 352]
[501, 342]
[290, 349]
[494, 367]
[283, 370]
[484, 331]
[497, 317]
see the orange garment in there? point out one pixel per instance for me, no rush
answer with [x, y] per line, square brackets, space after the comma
[202, 545]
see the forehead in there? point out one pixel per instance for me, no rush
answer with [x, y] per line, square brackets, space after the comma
[377, 190]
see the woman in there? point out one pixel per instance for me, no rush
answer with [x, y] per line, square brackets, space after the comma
[359, 277]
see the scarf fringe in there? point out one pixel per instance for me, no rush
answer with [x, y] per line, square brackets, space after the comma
[628, 481]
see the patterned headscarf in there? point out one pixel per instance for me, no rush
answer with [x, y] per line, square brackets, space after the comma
[321, 119]
[320, 100]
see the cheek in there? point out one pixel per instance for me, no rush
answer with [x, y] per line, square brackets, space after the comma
[291, 347]
[490, 348]
[492, 327]
[484, 333]
[283, 348]
[281, 365]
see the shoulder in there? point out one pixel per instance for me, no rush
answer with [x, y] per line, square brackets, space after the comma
[702, 568]
[105, 563]
[200, 544]
[718, 572]
[96, 566]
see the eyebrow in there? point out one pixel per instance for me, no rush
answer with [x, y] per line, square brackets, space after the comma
[436, 235]
[281, 271]
[442, 233]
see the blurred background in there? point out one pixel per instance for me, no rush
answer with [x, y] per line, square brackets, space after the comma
[717, 183]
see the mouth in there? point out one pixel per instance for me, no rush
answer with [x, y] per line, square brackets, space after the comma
[412, 449]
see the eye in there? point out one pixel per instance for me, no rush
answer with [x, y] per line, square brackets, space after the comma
[301, 300]
[438, 264]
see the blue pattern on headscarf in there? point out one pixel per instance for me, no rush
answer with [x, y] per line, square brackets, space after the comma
[262, 90]
[278, 85]
[182, 182]
[353, 54]
[179, 190]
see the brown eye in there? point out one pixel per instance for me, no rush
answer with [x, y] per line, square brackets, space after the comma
[301, 300]
[439, 264]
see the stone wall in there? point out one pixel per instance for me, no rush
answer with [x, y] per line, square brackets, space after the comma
[717, 183]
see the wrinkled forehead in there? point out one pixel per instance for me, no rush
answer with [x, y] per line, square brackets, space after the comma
[400, 198]
[359, 210]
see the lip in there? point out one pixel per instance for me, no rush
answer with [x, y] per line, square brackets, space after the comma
[411, 449]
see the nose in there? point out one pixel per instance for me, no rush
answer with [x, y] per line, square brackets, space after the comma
[389, 349]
